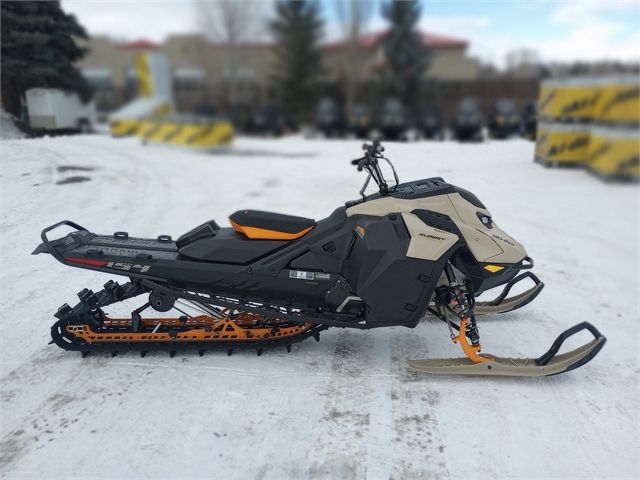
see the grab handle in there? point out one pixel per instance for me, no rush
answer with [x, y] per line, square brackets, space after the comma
[47, 242]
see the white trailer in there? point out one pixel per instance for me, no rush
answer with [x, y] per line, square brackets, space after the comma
[52, 109]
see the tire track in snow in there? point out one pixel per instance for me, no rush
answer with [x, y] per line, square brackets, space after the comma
[419, 448]
[31, 423]
[41, 422]
[341, 447]
[378, 458]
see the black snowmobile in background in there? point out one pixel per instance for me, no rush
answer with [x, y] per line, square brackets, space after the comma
[467, 123]
[430, 123]
[330, 119]
[393, 121]
[360, 121]
[241, 116]
[504, 121]
[270, 119]
[530, 120]
[270, 280]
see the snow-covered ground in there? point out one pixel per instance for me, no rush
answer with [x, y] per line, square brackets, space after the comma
[346, 407]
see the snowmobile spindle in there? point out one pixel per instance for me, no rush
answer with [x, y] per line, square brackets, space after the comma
[461, 304]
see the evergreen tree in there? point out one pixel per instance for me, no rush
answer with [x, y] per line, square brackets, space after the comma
[406, 57]
[38, 50]
[297, 30]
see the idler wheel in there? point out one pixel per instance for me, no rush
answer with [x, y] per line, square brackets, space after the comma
[161, 302]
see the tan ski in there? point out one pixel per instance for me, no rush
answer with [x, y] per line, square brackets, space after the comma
[551, 363]
[503, 304]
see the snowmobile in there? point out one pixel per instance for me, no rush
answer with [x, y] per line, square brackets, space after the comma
[430, 123]
[503, 120]
[330, 120]
[393, 123]
[467, 124]
[360, 124]
[270, 119]
[530, 120]
[270, 280]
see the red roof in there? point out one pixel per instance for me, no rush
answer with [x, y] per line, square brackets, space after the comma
[141, 44]
[430, 40]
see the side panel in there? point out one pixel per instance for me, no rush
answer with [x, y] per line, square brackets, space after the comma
[427, 243]
[486, 244]
[395, 287]
[511, 250]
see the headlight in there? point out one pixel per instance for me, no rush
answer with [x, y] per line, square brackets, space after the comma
[485, 219]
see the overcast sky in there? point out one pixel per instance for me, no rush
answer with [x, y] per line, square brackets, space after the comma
[557, 30]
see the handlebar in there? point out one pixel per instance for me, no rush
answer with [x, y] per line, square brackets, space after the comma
[369, 162]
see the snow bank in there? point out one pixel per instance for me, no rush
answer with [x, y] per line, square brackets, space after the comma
[8, 129]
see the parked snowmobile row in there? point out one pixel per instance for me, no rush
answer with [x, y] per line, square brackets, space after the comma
[270, 280]
[392, 120]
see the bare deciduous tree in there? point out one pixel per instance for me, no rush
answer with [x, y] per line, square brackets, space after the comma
[354, 16]
[230, 23]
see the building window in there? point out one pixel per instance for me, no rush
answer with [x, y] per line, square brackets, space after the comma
[99, 78]
[189, 77]
[241, 74]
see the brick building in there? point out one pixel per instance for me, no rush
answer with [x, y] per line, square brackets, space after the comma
[206, 73]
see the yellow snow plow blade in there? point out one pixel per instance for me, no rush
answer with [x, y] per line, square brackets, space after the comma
[551, 363]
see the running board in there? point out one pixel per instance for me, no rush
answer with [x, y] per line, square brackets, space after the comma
[502, 304]
[548, 364]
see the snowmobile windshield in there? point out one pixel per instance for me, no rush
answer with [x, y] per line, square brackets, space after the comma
[505, 106]
[360, 110]
[468, 106]
[531, 108]
[326, 107]
[393, 107]
[431, 112]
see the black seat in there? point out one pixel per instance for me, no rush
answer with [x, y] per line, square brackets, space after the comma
[260, 225]
[229, 246]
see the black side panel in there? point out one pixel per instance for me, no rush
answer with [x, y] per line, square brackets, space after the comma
[271, 221]
[469, 197]
[438, 220]
[480, 278]
[394, 287]
[227, 246]
[308, 261]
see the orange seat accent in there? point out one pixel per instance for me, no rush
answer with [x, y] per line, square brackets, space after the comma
[264, 234]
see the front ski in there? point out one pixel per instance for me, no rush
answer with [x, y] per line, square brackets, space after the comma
[503, 304]
[551, 363]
